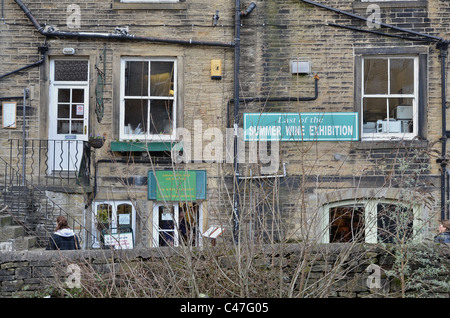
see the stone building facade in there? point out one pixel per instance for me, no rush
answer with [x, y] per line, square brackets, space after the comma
[168, 85]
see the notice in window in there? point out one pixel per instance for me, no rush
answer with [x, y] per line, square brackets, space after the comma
[9, 114]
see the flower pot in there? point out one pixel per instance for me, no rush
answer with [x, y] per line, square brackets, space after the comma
[96, 142]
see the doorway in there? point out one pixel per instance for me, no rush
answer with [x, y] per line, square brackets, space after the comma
[68, 114]
[176, 224]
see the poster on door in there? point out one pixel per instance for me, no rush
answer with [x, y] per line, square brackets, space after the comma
[119, 240]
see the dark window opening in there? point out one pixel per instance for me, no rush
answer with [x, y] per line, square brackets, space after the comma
[347, 224]
[394, 223]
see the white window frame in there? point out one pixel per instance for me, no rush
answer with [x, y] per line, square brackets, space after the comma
[370, 217]
[414, 97]
[114, 220]
[148, 136]
[175, 206]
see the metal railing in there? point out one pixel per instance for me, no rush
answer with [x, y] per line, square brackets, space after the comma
[51, 162]
[45, 165]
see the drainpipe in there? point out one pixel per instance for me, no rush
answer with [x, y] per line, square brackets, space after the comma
[386, 25]
[121, 37]
[443, 47]
[237, 53]
[24, 134]
[42, 50]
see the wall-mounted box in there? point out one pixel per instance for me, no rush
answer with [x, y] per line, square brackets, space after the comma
[300, 67]
[216, 69]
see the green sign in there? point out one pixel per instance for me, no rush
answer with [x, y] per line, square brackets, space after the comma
[301, 126]
[176, 185]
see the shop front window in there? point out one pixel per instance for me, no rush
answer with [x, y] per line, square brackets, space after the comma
[176, 224]
[112, 218]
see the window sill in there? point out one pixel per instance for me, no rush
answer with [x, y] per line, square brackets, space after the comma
[124, 146]
[117, 5]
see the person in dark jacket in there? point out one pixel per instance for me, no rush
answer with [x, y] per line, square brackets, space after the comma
[444, 232]
[63, 238]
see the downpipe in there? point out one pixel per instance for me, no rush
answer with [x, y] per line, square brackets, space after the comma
[110, 36]
[237, 53]
[443, 47]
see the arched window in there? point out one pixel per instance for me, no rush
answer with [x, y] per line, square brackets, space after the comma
[369, 221]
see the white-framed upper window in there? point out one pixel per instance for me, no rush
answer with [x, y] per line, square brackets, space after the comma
[370, 221]
[389, 97]
[148, 100]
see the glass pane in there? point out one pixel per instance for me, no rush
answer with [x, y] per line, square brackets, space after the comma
[402, 76]
[63, 110]
[124, 214]
[77, 127]
[375, 76]
[394, 223]
[161, 80]
[135, 116]
[188, 223]
[376, 119]
[136, 78]
[402, 110]
[64, 95]
[104, 213]
[78, 111]
[166, 225]
[161, 117]
[71, 70]
[347, 224]
[63, 127]
[374, 111]
[78, 95]
[104, 217]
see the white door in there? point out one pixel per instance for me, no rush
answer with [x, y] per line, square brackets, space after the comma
[112, 217]
[68, 114]
[175, 224]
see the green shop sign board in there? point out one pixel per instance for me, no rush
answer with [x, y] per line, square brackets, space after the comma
[177, 185]
[301, 126]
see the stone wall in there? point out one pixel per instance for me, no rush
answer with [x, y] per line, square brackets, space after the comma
[330, 270]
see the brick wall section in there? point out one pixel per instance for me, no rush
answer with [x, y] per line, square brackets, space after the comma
[278, 31]
[33, 274]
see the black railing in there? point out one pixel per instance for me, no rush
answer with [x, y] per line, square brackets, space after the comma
[51, 162]
[32, 208]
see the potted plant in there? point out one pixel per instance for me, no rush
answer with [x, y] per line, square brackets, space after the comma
[97, 141]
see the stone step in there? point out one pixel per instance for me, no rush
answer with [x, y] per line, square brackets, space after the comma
[5, 220]
[10, 232]
[25, 243]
